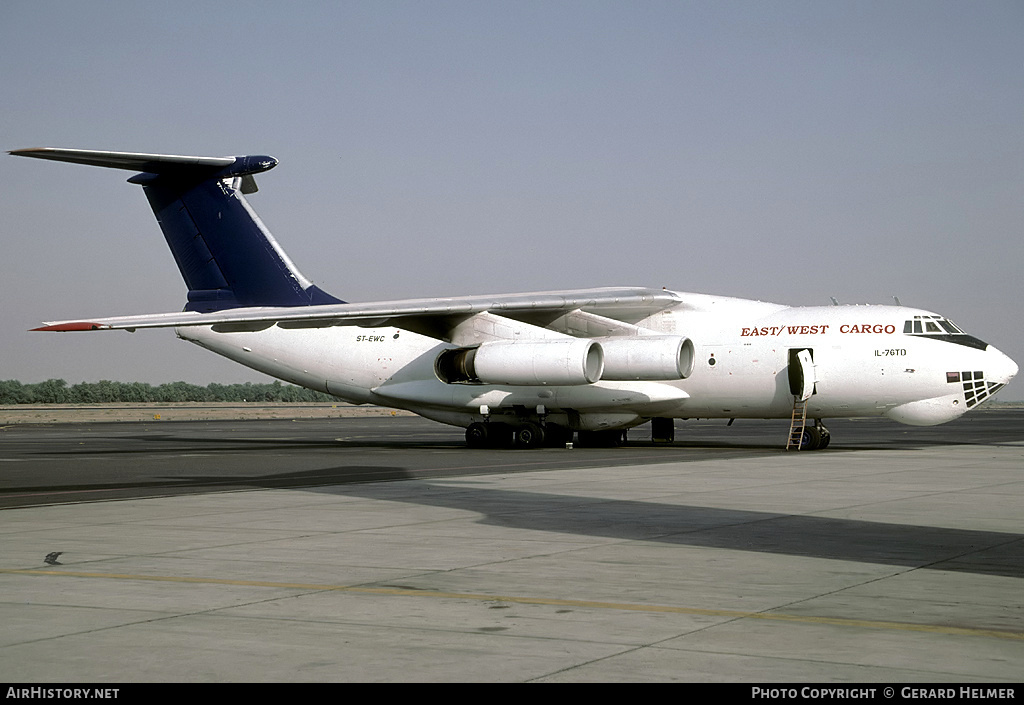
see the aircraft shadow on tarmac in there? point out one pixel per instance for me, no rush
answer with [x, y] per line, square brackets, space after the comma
[986, 427]
[218, 463]
[935, 548]
[152, 442]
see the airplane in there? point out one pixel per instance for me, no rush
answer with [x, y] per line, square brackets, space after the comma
[532, 369]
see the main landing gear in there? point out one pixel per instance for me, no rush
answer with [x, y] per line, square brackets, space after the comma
[521, 435]
[528, 434]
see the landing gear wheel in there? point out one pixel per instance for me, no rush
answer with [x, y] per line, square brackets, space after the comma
[826, 438]
[811, 440]
[488, 435]
[477, 435]
[529, 435]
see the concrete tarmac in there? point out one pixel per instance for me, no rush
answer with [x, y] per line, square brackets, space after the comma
[383, 550]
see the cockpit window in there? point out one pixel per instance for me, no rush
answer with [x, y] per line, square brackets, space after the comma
[939, 328]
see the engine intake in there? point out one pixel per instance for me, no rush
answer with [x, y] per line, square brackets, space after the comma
[536, 362]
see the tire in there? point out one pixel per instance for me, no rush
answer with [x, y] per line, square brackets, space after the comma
[477, 435]
[529, 435]
[826, 438]
[811, 440]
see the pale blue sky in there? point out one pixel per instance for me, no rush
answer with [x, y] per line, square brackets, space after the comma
[785, 151]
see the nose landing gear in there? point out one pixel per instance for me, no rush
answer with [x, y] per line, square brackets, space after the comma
[815, 437]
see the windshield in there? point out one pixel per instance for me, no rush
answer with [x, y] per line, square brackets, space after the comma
[939, 328]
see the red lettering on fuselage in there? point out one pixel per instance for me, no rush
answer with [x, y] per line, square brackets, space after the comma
[821, 329]
[867, 328]
[779, 330]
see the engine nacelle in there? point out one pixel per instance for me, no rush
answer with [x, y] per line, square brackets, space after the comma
[534, 362]
[647, 358]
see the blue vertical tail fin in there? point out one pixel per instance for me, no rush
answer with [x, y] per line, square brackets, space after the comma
[226, 255]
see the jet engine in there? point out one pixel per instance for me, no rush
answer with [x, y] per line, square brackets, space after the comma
[647, 358]
[535, 362]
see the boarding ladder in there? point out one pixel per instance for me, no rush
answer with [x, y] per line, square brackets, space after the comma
[797, 424]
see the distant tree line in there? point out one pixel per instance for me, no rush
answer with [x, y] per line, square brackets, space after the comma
[58, 391]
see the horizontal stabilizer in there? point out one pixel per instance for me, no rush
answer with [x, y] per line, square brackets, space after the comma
[225, 254]
[153, 163]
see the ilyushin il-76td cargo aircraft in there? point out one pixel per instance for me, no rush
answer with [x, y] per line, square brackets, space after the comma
[531, 369]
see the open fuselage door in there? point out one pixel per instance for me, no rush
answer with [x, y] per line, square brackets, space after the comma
[801, 373]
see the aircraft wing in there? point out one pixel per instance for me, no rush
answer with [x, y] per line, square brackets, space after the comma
[430, 316]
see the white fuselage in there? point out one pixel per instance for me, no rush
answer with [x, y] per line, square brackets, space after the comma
[864, 364]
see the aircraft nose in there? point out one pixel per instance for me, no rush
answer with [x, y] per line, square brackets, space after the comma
[1001, 368]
